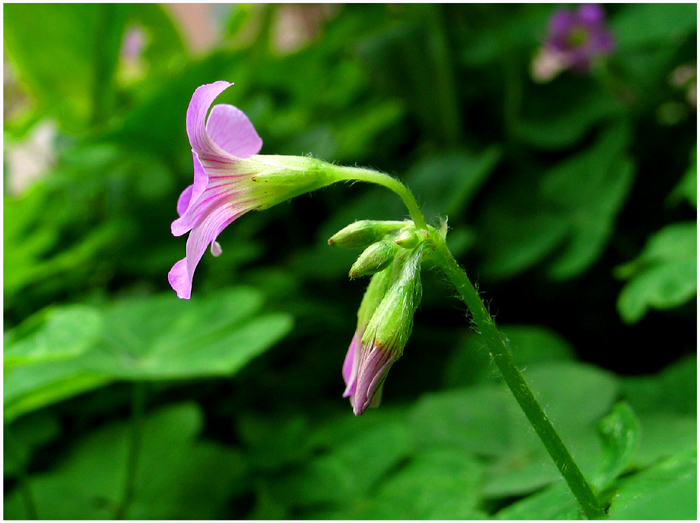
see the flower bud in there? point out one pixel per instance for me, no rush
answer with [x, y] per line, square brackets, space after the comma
[364, 233]
[407, 238]
[386, 334]
[374, 258]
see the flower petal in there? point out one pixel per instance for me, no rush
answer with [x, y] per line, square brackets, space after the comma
[183, 202]
[591, 14]
[350, 365]
[180, 280]
[372, 372]
[201, 100]
[205, 233]
[231, 130]
[191, 211]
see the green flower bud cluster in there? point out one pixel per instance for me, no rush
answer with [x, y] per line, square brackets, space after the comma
[393, 254]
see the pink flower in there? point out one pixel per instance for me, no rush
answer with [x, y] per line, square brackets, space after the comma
[580, 36]
[218, 195]
[230, 179]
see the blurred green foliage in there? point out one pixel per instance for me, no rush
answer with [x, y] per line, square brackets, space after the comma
[572, 203]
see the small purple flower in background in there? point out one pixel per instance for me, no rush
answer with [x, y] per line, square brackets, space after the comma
[574, 40]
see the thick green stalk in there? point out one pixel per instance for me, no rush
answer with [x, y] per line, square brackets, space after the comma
[138, 407]
[581, 489]
[366, 175]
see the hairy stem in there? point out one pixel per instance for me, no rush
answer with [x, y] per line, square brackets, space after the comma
[581, 489]
[366, 175]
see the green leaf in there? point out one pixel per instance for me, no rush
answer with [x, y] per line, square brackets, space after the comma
[559, 116]
[470, 362]
[652, 25]
[687, 188]
[46, 41]
[68, 332]
[667, 490]
[41, 362]
[23, 437]
[553, 503]
[177, 477]
[620, 434]
[30, 387]
[162, 337]
[663, 276]
[590, 189]
[558, 387]
[348, 472]
[437, 484]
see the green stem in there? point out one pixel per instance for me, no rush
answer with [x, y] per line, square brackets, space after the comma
[366, 175]
[22, 476]
[138, 405]
[581, 489]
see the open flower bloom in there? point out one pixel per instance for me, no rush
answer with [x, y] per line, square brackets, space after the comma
[230, 179]
[377, 344]
[578, 37]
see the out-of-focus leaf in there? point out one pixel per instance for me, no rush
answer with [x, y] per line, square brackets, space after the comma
[663, 434]
[46, 41]
[570, 212]
[437, 484]
[470, 362]
[558, 116]
[348, 471]
[30, 387]
[646, 25]
[556, 502]
[177, 477]
[410, 60]
[68, 332]
[667, 490]
[590, 189]
[446, 184]
[673, 391]
[663, 276]
[23, 437]
[162, 337]
[687, 188]
[667, 407]
[29, 242]
[559, 387]
[620, 434]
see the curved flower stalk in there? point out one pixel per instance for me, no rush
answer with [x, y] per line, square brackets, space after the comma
[230, 179]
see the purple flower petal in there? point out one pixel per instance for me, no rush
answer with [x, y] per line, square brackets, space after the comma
[183, 202]
[202, 99]
[203, 234]
[188, 212]
[591, 14]
[373, 368]
[231, 130]
[350, 365]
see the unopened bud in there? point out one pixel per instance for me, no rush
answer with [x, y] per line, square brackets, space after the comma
[386, 334]
[407, 238]
[374, 258]
[364, 233]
